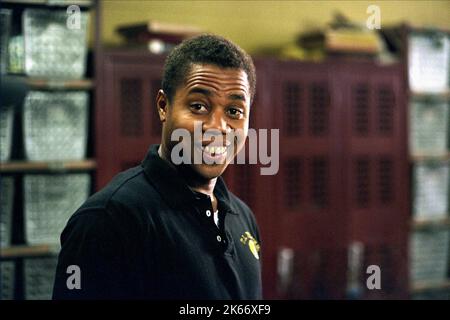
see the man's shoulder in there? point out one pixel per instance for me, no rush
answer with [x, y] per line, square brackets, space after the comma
[125, 202]
[129, 189]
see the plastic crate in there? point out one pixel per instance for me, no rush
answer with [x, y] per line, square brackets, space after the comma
[431, 189]
[5, 27]
[49, 202]
[55, 125]
[52, 48]
[6, 205]
[428, 62]
[7, 276]
[39, 276]
[429, 255]
[429, 127]
[6, 126]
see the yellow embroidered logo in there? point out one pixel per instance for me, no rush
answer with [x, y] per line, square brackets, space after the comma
[253, 245]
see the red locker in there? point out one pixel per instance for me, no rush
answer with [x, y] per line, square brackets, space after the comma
[375, 167]
[343, 179]
[309, 220]
[126, 118]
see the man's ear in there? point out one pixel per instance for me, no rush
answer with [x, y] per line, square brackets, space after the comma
[162, 104]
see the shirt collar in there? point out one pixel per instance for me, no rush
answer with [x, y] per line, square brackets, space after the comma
[173, 188]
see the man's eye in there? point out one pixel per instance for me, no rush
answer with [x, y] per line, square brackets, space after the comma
[198, 107]
[235, 113]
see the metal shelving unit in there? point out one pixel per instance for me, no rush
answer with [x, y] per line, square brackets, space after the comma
[432, 228]
[29, 265]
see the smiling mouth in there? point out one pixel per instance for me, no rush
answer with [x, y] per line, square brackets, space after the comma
[214, 153]
[215, 150]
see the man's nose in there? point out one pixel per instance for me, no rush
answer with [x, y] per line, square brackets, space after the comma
[216, 122]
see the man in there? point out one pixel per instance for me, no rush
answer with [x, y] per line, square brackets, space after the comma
[171, 230]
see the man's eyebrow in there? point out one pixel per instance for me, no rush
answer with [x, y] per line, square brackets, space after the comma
[235, 96]
[203, 91]
[208, 93]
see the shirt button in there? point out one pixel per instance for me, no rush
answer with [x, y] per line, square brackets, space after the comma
[208, 213]
[219, 238]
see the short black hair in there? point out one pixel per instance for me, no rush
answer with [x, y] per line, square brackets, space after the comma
[205, 49]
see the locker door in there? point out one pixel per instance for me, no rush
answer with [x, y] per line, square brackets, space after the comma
[309, 230]
[375, 172]
[127, 120]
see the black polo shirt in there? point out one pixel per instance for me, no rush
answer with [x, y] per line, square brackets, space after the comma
[147, 235]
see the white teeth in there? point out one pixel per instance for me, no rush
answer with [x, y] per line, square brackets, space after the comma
[220, 150]
[214, 149]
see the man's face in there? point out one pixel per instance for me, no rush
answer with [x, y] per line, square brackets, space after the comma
[219, 99]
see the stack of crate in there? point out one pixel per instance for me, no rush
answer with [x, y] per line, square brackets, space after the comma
[6, 124]
[55, 129]
[7, 267]
[428, 72]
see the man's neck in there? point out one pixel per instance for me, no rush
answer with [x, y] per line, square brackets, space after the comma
[199, 185]
[206, 188]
